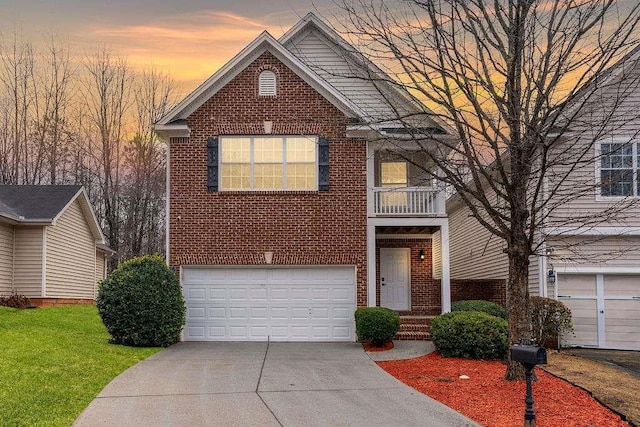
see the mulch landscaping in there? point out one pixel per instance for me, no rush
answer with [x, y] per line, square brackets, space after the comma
[493, 402]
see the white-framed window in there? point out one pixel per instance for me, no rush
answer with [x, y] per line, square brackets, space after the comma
[617, 171]
[393, 174]
[267, 83]
[269, 163]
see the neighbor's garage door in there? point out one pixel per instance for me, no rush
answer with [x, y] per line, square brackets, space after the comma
[279, 304]
[605, 309]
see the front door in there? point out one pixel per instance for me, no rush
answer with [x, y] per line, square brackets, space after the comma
[394, 278]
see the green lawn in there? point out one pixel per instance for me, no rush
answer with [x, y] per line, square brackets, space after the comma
[54, 361]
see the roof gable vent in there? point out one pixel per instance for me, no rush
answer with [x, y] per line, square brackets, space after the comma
[267, 83]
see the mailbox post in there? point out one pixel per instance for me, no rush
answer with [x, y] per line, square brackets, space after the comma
[529, 356]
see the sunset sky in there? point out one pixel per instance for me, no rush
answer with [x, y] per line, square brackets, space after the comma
[190, 38]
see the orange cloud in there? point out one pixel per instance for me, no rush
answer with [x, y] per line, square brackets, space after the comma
[190, 46]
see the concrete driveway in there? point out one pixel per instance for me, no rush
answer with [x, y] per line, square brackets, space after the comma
[260, 384]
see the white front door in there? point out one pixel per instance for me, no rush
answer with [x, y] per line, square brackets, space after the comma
[394, 278]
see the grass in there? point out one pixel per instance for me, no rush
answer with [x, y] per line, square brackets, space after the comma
[54, 361]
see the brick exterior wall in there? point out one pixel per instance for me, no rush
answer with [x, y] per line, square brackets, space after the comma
[489, 290]
[299, 227]
[425, 294]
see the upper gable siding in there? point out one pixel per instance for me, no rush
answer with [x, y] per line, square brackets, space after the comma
[334, 68]
[624, 102]
[299, 227]
[27, 274]
[71, 256]
[6, 258]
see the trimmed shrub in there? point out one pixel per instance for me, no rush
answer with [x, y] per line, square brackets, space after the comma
[549, 319]
[377, 325]
[470, 334]
[480, 305]
[141, 303]
[15, 301]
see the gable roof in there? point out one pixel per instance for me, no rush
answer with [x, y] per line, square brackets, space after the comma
[362, 75]
[44, 204]
[265, 42]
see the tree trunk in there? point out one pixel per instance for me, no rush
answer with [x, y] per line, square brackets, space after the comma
[518, 305]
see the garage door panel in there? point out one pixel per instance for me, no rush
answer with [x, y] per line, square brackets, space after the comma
[288, 304]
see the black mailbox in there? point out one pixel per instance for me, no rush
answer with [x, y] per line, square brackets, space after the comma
[529, 354]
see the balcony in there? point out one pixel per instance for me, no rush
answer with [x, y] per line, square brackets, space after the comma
[408, 201]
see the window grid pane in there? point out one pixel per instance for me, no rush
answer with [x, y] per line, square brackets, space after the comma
[617, 169]
[269, 163]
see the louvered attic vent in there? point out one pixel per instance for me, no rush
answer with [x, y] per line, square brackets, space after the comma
[267, 84]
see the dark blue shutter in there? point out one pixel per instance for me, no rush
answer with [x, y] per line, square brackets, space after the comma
[323, 164]
[212, 164]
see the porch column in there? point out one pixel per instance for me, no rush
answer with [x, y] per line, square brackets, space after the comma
[371, 265]
[446, 274]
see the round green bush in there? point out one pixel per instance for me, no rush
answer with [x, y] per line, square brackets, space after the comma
[377, 325]
[141, 303]
[470, 334]
[480, 305]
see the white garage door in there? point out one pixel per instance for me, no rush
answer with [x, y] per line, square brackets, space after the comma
[605, 309]
[279, 304]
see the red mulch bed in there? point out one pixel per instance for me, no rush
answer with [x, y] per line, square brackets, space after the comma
[493, 402]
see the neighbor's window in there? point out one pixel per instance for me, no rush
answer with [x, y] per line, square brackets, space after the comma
[618, 166]
[269, 163]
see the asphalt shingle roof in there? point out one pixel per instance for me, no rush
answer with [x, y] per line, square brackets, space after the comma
[35, 202]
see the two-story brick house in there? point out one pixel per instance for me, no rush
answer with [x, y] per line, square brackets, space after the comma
[284, 212]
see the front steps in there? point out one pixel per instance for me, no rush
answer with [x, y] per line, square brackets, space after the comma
[414, 328]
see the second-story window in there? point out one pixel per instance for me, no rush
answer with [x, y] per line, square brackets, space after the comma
[618, 166]
[269, 163]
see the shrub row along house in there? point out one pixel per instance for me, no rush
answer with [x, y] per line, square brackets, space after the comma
[51, 247]
[286, 212]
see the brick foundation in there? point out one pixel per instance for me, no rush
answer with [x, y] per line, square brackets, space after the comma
[488, 290]
[59, 302]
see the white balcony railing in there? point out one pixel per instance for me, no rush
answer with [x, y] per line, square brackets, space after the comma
[408, 201]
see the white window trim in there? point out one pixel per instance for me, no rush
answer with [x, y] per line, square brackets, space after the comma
[636, 168]
[251, 164]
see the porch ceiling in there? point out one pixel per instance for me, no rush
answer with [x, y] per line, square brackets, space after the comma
[406, 230]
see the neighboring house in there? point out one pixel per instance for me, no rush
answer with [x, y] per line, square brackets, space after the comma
[594, 269]
[285, 212]
[51, 246]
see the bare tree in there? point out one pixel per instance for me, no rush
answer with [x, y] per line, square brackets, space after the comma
[516, 80]
[16, 73]
[106, 95]
[143, 204]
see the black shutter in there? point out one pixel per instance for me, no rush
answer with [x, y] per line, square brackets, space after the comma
[212, 164]
[323, 164]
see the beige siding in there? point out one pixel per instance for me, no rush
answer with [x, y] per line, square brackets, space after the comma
[6, 258]
[332, 66]
[620, 251]
[71, 256]
[476, 254]
[534, 276]
[28, 261]
[100, 262]
[436, 251]
[581, 186]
